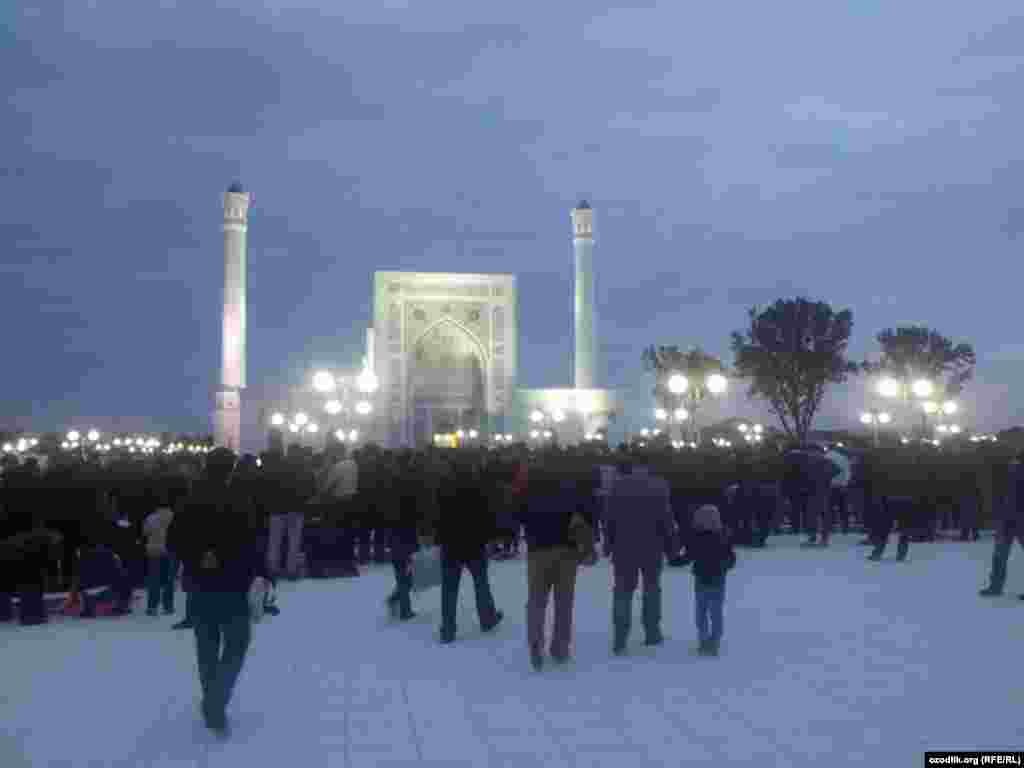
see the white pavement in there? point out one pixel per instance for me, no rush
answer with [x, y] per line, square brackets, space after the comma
[827, 660]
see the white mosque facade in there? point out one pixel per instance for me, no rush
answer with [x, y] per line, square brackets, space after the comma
[443, 350]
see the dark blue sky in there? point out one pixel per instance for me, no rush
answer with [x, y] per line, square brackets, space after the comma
[865, 152]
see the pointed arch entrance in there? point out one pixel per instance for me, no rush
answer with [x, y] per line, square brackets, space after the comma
[447, 381]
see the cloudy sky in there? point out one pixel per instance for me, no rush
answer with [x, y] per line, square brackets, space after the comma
[867, 153]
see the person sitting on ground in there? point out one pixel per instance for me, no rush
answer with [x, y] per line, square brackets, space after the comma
[24, 560]
[100, 567]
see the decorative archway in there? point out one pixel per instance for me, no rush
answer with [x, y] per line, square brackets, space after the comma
[447, 375]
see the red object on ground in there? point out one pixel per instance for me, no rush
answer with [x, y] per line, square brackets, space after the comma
[72, 605]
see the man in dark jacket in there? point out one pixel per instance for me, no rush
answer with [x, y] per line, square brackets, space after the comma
[640, 532]
[464, 529]
[404, 534]
[1010, 526]
[212, 537]
[554, 500]
[810, 476]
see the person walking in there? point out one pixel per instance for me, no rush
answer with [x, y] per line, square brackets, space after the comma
[464, 530]
[900, 487]
[212, 536]
[713, 556]
[403, 535]
[640, 534]
[1009, 527]
[558, 519]
[160, 566]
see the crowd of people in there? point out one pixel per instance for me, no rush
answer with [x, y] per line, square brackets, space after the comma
[101, 530]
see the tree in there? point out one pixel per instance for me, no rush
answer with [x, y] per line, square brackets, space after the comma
[790, 354]
[911, 351]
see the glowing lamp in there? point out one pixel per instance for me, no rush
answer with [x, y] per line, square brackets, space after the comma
[323, 381]
[677, 384]
[923, 388]
[717, 383]
[889, 387]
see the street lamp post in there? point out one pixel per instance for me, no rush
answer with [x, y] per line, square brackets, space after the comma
[753, 434]
[874, 418]
[349, 403]
[939, 409]
[687, 395]
[920, 388]
[675, 420]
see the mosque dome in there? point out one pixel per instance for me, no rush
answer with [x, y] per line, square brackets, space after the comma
[583, 206]
[236, 188]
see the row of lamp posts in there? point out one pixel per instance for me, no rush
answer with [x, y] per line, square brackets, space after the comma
[916, 394]
[340, 415]
[684, 399]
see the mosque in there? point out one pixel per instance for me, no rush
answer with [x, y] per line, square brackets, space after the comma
[443, 353]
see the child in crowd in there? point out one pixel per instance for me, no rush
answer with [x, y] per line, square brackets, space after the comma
[712, 556]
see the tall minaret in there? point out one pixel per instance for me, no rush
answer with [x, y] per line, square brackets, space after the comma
[227, 419]
[586, 342]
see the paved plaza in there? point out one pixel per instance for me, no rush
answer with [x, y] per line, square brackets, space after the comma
[827, 660]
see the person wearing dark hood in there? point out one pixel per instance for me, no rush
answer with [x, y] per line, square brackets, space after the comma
[213, 538]
[713, 557]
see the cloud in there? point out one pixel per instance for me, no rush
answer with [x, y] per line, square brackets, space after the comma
[731, 159]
